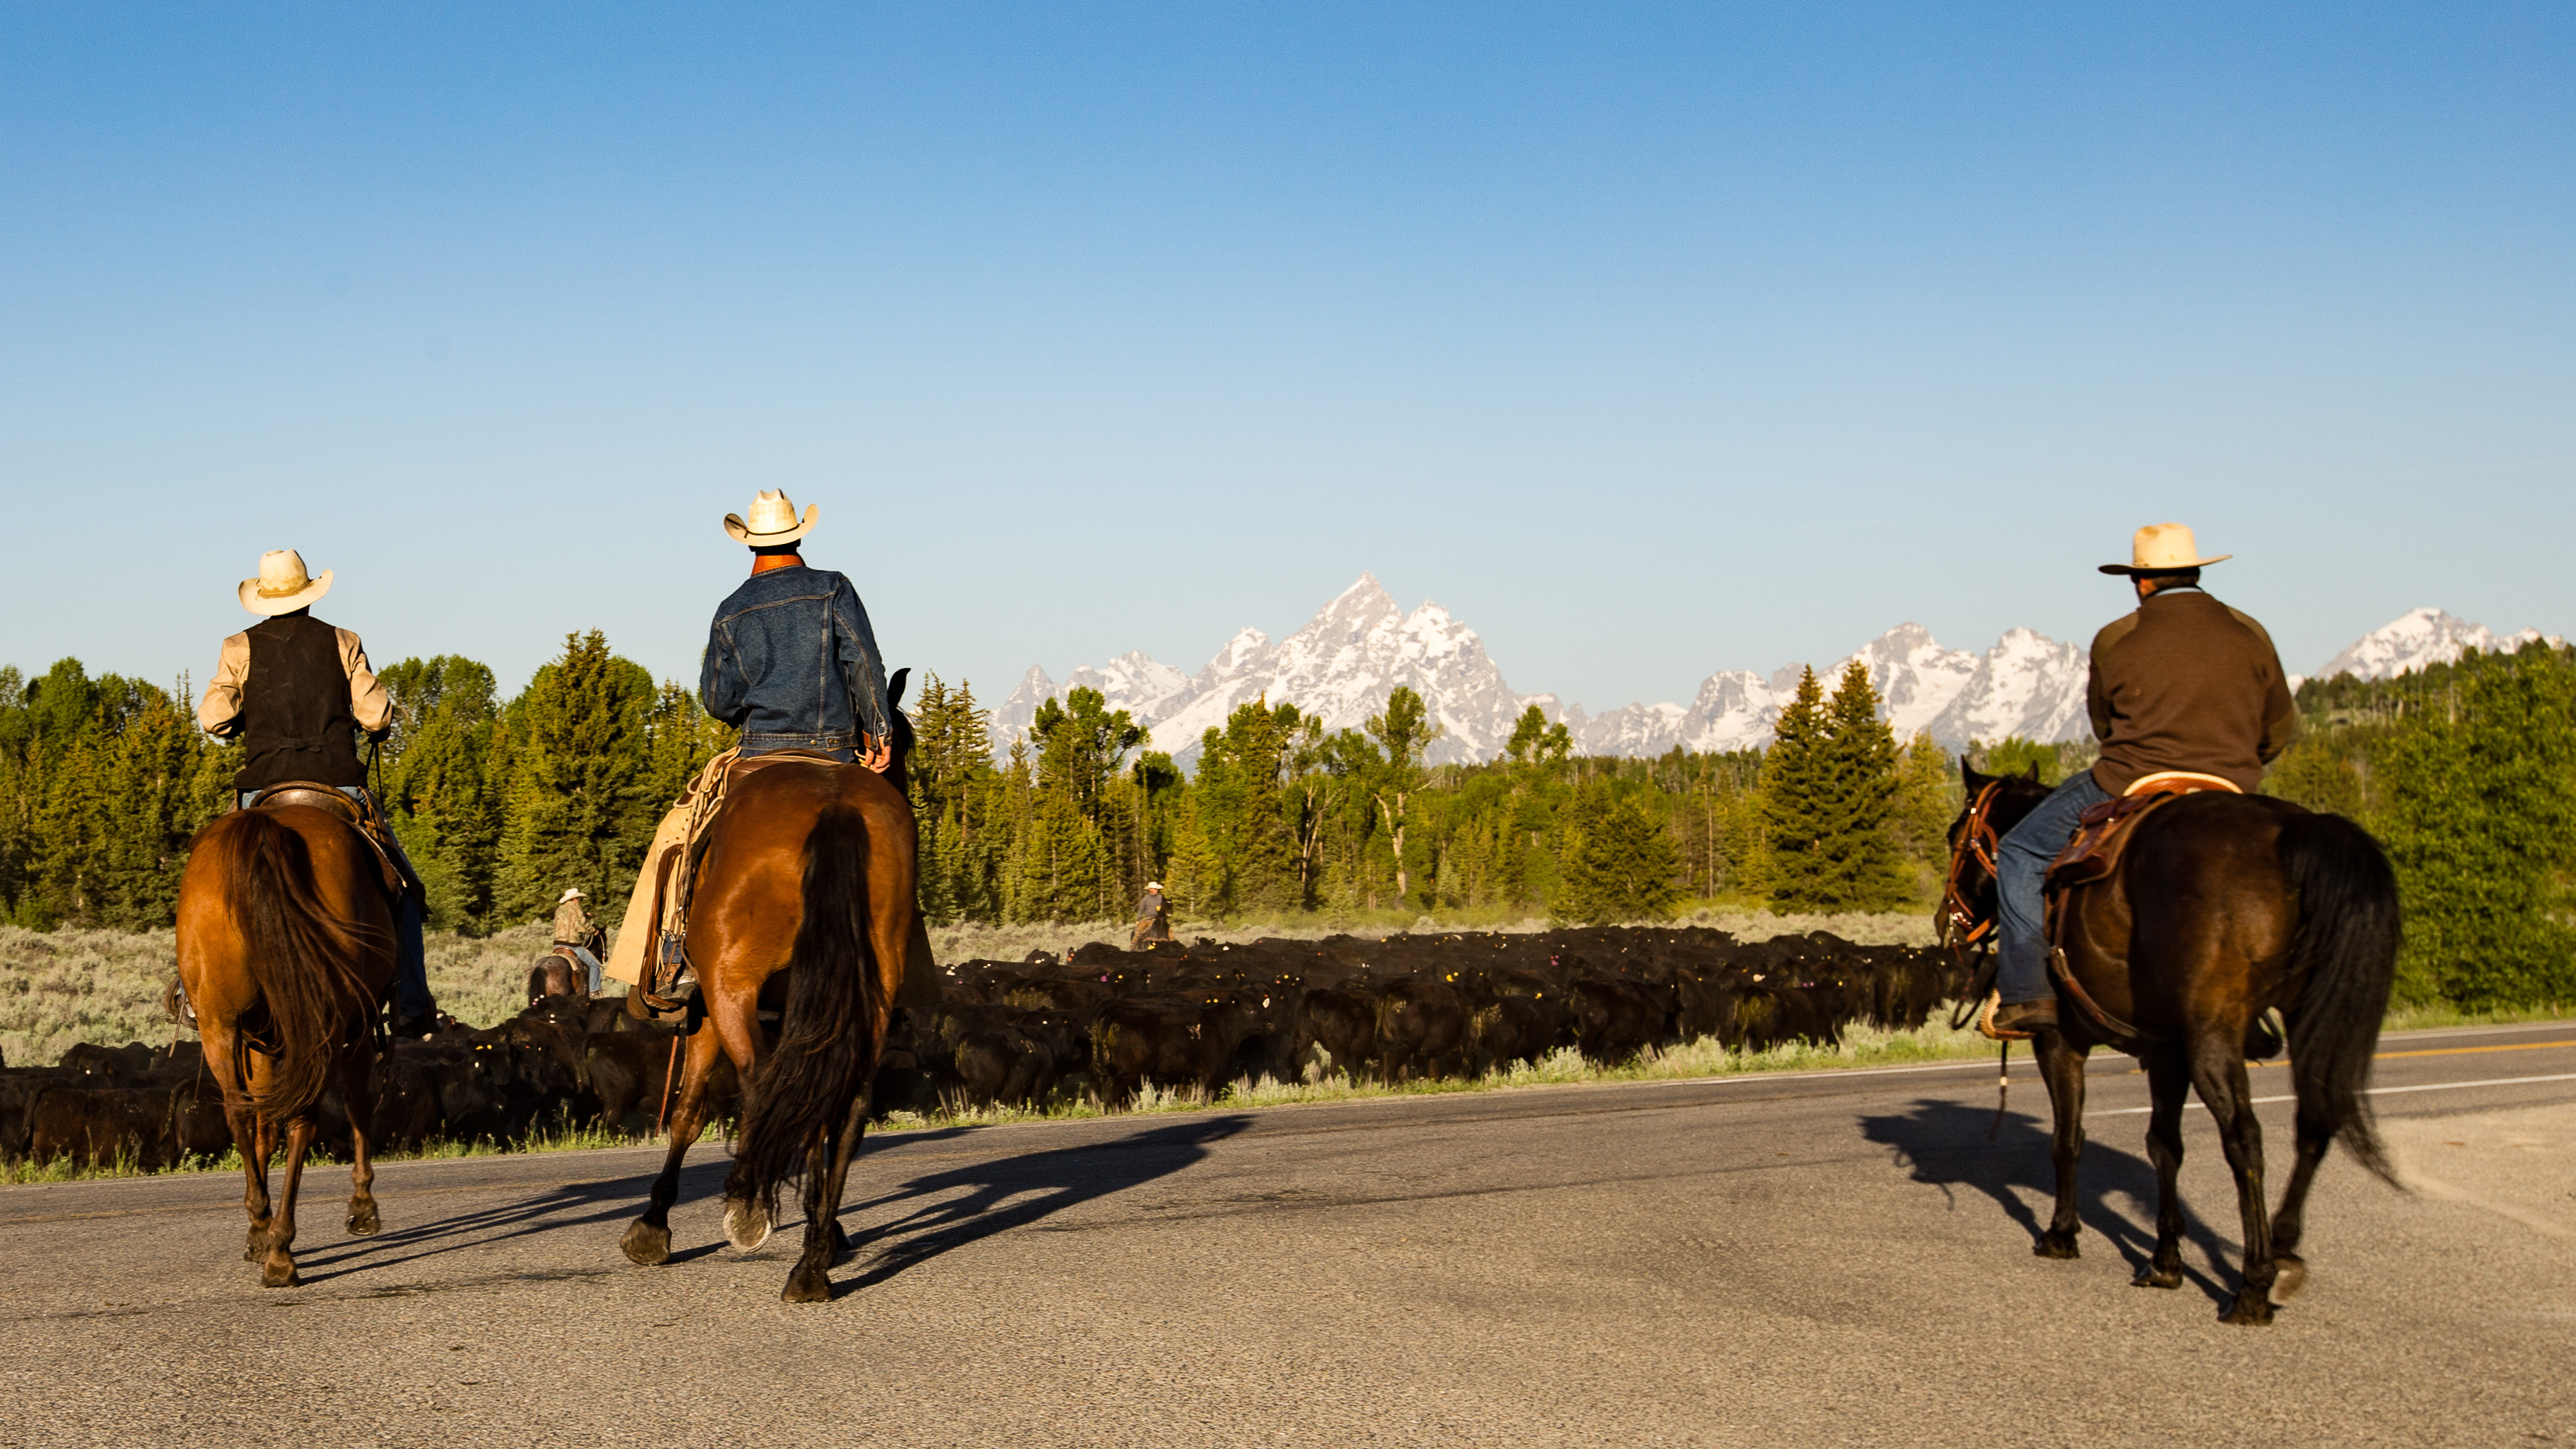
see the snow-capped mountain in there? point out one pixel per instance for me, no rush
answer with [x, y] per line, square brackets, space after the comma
[2418, 638]
[1345, 660]
[1341, 665]
[2028, 684]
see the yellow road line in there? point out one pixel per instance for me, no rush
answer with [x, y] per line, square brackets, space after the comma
[2372, 1092]
[2519, 1046]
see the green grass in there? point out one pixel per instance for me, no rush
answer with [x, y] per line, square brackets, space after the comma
[2443, 1014]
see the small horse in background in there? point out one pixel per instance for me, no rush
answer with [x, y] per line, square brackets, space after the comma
[805, 897]
[286, 949]
[2222, 907]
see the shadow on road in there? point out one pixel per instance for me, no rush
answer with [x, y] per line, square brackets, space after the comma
[961, 1205]
[1945, 1145]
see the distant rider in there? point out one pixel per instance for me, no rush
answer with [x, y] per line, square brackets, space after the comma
[575, 930]
[2183, 684]
[294, 691]
[792, 662]
[1153, 917]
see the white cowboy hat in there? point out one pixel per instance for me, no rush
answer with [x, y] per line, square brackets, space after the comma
[2161, 548]
[282, 586]
[573, 894]
[772, 522]
[1153, 885]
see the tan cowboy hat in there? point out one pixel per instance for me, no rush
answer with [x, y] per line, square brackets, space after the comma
[772, 521]
[282, 586]
[2161, 548]
[573, 894]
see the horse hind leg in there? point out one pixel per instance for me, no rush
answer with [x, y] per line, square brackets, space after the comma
[2218, 1070]
[2062, 1066]
[278, 1269]
[2168, 1087]
[2314, 1138]
[358, 1091]
[811, 1282]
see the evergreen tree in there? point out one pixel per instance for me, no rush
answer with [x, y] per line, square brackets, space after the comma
[1927, 801]
[1620, 861]
[578, 777]
[1796, 792]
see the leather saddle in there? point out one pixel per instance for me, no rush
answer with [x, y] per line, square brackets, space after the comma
[367, 823]
[2103, 833]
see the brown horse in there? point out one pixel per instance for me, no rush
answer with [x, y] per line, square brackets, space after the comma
[286, 948]
[2222, 907]
[808, 876]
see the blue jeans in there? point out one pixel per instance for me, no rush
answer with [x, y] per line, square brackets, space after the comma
[411, 953]
[2021, 875]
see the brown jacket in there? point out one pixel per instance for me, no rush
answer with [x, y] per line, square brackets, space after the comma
[2187, 683]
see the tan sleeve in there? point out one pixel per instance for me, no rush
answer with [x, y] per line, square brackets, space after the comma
[368, 701]
[219, 713]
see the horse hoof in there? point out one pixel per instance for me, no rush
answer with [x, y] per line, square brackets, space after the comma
[2292, 1277]
[746, 1226]
[2154, 1277]
[363, 1221]
[808, 1287]
[647, 1245]
[2054, 1244]
[2248, 1315]
[275, 1274]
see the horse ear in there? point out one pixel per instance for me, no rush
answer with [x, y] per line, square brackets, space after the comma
[2031, 772]
[894, 686]
[1969, 777]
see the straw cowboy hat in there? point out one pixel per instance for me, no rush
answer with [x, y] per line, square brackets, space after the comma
[573, 894]
[2162, 548]
[772, 522]
[282, 586]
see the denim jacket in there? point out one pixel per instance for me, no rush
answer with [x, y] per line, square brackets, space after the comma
[792, 663]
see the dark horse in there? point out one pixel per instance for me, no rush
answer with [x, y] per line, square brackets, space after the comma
[286, 949]
[2223, 907]
[808, 872]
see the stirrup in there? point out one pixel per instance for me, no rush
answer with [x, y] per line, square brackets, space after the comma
[1986, 1020]
[181, 1009]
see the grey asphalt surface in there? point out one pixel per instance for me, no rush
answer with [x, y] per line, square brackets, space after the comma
[1829, 1259]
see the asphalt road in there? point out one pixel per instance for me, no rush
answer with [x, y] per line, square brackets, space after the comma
[1829, 1259]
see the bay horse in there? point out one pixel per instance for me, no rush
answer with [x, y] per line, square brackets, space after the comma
[286, 950]
[808, 874]
[2221, 908]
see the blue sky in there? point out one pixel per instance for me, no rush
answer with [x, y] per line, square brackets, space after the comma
[1649, 341]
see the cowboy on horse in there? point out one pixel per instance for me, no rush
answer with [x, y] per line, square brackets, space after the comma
[2184, 685]
[792, 662]
[294, 691]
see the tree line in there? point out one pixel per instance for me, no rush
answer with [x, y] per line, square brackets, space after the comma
[2466, 771]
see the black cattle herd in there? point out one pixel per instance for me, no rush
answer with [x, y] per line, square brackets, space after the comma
[1099, 1024]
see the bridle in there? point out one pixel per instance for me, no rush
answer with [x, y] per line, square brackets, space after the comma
[1960, 928]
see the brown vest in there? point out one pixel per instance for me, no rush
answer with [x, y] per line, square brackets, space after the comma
[296, 723]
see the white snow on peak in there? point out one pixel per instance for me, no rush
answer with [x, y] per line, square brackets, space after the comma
[1342, 664]
[2419, 638]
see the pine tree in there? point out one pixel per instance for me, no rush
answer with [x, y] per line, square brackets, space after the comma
[1620, 861]
[1795, 792]
[578, 777]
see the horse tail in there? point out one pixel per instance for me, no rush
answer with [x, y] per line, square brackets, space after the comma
[300, 953]
[823, 1057]
[2347, 947]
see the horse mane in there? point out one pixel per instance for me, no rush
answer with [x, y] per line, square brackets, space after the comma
[302, 955]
